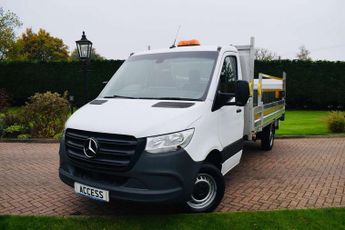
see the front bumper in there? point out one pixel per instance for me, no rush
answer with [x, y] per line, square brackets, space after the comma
[161, 177]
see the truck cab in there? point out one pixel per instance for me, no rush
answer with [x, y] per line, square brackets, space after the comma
[167, 127]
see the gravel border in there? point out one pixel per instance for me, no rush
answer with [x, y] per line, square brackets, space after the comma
[33, 140]
[310, 136]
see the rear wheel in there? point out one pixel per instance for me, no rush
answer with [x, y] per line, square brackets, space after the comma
[267, 137]
[208, 189]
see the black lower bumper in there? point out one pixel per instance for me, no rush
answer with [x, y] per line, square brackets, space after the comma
[161, 177]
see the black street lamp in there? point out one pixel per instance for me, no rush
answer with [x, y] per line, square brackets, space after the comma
[84, 48]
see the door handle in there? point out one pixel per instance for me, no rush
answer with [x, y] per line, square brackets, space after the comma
[238, 110]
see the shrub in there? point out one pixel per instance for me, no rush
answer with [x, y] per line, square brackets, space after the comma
[9, 119]
[23, 136]
[2, 126]
[58, 136]
[14, 130]
[46, 113]
[5, 99]
[336, 121]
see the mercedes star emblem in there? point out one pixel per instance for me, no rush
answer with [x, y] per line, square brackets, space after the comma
[90, 148]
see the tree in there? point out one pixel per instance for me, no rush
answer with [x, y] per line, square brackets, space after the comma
[8, 22]
[303, 54]
[94, 55]
[40, 46]
[263, 54]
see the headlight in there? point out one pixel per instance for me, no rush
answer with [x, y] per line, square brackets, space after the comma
[169, 142]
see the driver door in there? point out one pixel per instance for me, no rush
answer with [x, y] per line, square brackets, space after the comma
[230, 117]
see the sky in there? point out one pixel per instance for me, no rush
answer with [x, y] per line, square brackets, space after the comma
[120, 27]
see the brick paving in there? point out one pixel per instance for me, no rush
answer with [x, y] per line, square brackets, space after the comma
[297, 173]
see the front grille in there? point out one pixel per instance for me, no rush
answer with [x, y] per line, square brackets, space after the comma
[115, 152]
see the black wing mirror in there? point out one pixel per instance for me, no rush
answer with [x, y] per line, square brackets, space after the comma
[241, 93]
[241, 96]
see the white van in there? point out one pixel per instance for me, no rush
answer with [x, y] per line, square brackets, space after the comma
[169, 125]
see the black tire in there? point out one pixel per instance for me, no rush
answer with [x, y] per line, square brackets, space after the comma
[267, 137]
[209, 177]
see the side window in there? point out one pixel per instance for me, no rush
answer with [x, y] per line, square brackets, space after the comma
[228, 75]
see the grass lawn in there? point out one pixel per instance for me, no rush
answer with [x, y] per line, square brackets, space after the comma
[304, 123]
[287, 219]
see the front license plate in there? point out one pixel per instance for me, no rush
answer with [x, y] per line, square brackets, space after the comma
[91, 192]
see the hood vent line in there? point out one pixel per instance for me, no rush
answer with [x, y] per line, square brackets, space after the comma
[97, 102]
[167, 104]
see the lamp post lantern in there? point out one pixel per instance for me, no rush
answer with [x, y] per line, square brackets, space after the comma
[84, 48]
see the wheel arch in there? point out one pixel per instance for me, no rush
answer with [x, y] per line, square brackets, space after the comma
[215, 158]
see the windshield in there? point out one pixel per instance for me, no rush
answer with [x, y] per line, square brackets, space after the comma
[173, 76]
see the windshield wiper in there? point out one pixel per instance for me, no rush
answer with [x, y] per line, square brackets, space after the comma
[118, 96]
[171, 98]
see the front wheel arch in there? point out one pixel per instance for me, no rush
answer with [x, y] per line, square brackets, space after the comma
[214, 158]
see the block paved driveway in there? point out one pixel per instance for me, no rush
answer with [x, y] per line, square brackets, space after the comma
[297, 173]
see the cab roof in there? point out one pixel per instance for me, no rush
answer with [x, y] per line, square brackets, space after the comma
[189, 49]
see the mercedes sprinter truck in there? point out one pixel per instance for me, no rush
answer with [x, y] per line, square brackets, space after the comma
[170, 124]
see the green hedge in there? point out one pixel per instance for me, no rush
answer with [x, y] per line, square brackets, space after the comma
[315, 85]
[23, 79]
[309, 84]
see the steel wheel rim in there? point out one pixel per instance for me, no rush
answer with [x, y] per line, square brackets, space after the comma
[199, 200]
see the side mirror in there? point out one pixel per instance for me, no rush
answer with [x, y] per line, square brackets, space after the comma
[241, 96]
[221, 100]
[242, 93]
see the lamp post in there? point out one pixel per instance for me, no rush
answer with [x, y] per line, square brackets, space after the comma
[84, 48]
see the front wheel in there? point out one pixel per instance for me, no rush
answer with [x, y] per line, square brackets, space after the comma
[208, 189]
